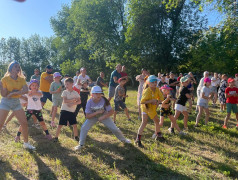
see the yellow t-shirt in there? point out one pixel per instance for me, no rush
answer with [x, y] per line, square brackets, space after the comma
[147, 95]
[44, 84]
[13, 85]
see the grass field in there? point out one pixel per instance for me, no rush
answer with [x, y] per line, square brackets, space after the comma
[207, 152]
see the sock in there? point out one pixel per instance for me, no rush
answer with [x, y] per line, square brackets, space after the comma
[138, 137]
[18, 133]
[46, 132]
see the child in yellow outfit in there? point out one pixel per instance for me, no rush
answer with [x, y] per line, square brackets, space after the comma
[150, 100]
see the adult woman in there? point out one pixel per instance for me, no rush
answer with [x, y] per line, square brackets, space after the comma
[221, 93]
[13, 85]
[140, 78]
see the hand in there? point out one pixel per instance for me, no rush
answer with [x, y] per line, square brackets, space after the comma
[168, 96]
[100, 111]
[101, 118]
[59, 89]
[154, 101]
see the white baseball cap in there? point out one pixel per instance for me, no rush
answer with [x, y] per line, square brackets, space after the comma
[96, 89]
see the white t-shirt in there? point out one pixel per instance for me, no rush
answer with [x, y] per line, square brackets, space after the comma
[69, 95]
[158, 80]
[207, 92]
[167, 80]
[215, 81]
[200, 84]
[33, 102]
[75, 79]
[81, 78]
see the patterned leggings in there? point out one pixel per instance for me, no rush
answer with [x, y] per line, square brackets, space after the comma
[37, 113]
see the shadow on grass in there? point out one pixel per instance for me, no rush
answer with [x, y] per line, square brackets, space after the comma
[6, 168]
[131, 161]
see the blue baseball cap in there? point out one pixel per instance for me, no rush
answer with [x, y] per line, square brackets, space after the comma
[152, 78]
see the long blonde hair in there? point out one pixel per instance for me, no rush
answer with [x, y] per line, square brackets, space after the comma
[9, 69]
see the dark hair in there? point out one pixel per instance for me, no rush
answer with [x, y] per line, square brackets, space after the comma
[70, 80]
[107, 103]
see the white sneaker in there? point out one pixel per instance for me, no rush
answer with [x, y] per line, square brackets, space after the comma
[77, 148]
[181, 133]
[127, 141]
[28, 146]
[154, 136]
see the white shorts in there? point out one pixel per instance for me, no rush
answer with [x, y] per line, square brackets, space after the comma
[180, 107]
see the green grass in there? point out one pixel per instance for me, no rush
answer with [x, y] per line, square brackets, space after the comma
[208, 152]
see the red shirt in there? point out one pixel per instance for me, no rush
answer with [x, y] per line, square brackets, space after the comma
[76, 89]
[178, 79]
[123, 74]
[232, 99]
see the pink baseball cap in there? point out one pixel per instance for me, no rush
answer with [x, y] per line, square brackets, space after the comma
[166, 87]
[207, 80]
[56, 74]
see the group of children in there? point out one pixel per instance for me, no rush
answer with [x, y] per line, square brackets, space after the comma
[71, 97]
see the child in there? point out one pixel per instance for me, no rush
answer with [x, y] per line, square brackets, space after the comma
[150, 100]
[70, 100]
[231, 94]
[98, 109]
[180, 107]
[165, 109]
[202, 102]
[84, 93]
[12, 86]
[34, 107]
[118, 98]
[56, 90]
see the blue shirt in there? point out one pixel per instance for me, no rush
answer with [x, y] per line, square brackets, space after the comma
[114, 74]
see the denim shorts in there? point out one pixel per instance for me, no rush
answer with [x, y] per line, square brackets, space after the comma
[203, 104]
[10, 104]
[57, 102]
[46, 95]
[119, 104]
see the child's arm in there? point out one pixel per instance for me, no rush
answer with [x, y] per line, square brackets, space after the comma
[166, 100]
[20, 92]
[91, 115]
[105, 116]
[78, 101]
[66, 101]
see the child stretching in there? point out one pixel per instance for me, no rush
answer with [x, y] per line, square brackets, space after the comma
[202, 103]
[55, 90]
[180, 107]
[84, 93]
[150, 100]
[34, 108]
[98, 109]
[231, 94]
[70, 100]
[165, 109]
[118, 98]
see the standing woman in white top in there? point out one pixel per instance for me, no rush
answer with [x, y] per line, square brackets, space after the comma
[215, 83]
[200, 86]
[83, 77]
[12, 86]
[141, 80]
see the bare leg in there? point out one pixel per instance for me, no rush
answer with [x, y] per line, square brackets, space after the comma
[114, 116]
[200, 110]
[54, 111]
[207, 115]
[127, 113]
[58, 130]
[143, 124]
[173, 121]
[3, 117]
[21, 117]
[185, 119]
[227, 118]
[176, 116]
[75, 130]
[156, 122]
[9, 118]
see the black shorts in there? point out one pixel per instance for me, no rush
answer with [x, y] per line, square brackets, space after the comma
[66, 116]
[46, 95]
[119, 104]
[165, 112]
[37, 113]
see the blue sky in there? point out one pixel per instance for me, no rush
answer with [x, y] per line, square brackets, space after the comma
[33, 17]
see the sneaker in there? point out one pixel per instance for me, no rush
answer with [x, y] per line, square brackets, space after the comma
[160, 138]
[17, 138]
[76, 138]
[139, 144]
[28, 146]
[52, 124]
[127, 141]
[181, 133]
[154, 136]
[171, 131]
[48, 136]
[77, 148]
[224, 127]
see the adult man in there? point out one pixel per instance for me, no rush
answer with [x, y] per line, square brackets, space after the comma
[100, 80]
[115, 75]
[45, 80]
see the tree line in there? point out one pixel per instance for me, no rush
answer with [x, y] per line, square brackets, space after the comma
[160, 35]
